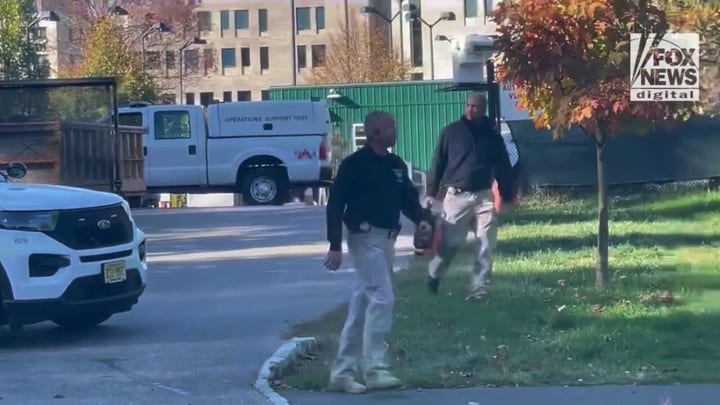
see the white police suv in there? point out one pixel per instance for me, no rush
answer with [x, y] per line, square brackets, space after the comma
[68, 255]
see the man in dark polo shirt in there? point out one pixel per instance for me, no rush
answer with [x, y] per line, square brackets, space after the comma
[372, 188]
[470, 154]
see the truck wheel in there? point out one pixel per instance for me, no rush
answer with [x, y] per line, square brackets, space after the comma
[82, 321]
[267, 186]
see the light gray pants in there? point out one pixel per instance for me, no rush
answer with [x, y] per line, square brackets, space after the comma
[370, 314]
[459, 210]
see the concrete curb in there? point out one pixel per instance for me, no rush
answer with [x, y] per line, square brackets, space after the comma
[275, 366]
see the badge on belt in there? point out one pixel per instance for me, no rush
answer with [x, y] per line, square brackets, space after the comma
[392, 234]
[364, 227]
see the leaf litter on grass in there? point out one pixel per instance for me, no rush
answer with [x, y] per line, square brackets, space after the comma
[545, 323]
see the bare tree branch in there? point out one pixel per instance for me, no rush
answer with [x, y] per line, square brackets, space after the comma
[359, 54]
[180, 15]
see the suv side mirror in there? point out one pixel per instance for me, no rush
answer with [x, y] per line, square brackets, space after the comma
[16, 170]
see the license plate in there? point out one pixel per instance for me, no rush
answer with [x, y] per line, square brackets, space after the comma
[114, 272]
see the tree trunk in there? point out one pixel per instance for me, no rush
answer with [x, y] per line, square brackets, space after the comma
[602, 270]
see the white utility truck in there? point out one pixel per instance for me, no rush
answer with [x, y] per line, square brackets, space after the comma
[259, 149]
[68, 255]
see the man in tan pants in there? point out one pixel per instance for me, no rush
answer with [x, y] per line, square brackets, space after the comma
[370, 191]
[470, 154]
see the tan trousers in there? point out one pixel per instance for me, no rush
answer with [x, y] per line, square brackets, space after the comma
[459, 209]
[370, 314]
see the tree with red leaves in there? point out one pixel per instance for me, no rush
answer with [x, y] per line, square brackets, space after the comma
[179, 15]
[569, 61]
[84, 14]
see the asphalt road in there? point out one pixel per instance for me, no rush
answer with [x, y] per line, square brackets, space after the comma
[223, 286]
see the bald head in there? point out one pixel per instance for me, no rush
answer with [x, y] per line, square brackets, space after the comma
[475, 106]
[375, 120]
[380, 129]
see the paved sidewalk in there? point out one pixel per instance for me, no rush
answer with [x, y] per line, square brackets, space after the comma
[599, 395]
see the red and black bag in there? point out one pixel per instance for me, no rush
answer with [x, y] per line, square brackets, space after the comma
[427, 243]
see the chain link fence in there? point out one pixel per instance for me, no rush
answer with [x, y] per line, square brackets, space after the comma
[622, 190]
[342, 150]
[60, 133]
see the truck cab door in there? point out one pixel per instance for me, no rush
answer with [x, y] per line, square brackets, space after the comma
[174, 147]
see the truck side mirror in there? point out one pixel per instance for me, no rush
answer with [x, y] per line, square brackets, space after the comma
[16, 170]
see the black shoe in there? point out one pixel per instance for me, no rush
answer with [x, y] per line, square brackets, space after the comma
[433, 284]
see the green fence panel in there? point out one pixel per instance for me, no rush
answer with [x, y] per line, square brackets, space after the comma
[419, 109]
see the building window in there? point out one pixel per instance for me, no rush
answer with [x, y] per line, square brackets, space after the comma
[301, 57]
[190, 98]
[40, 32]
[244, 95]
[264, 58]
[192, 60]
[488, 5]
[320, 18]
[168, 98]
[204, 21]
[227, 96]
[265, 95]
[263, 20]
[152, 60]
[302, 18]
[206, 98]
[318, 55]
[224, 20]
[471, 8]
[242, 20]
[245, 57]
[416, 76]
[170, 60]
[229, 58]
[208, 59]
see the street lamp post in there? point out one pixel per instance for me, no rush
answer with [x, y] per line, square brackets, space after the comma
[372, 10]
[41, 16]
[446, 16]
[187, 44]
[157, 27]
[445, 38]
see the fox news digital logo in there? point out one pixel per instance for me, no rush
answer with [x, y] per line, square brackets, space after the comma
[665, 67]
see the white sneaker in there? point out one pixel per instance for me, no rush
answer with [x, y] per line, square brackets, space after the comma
[347, 385]
[382, 380]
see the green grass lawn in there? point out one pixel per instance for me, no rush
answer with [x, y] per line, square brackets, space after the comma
[544, 321]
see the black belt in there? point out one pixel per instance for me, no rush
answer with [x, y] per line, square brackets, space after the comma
[461, 190]
[365, 227]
